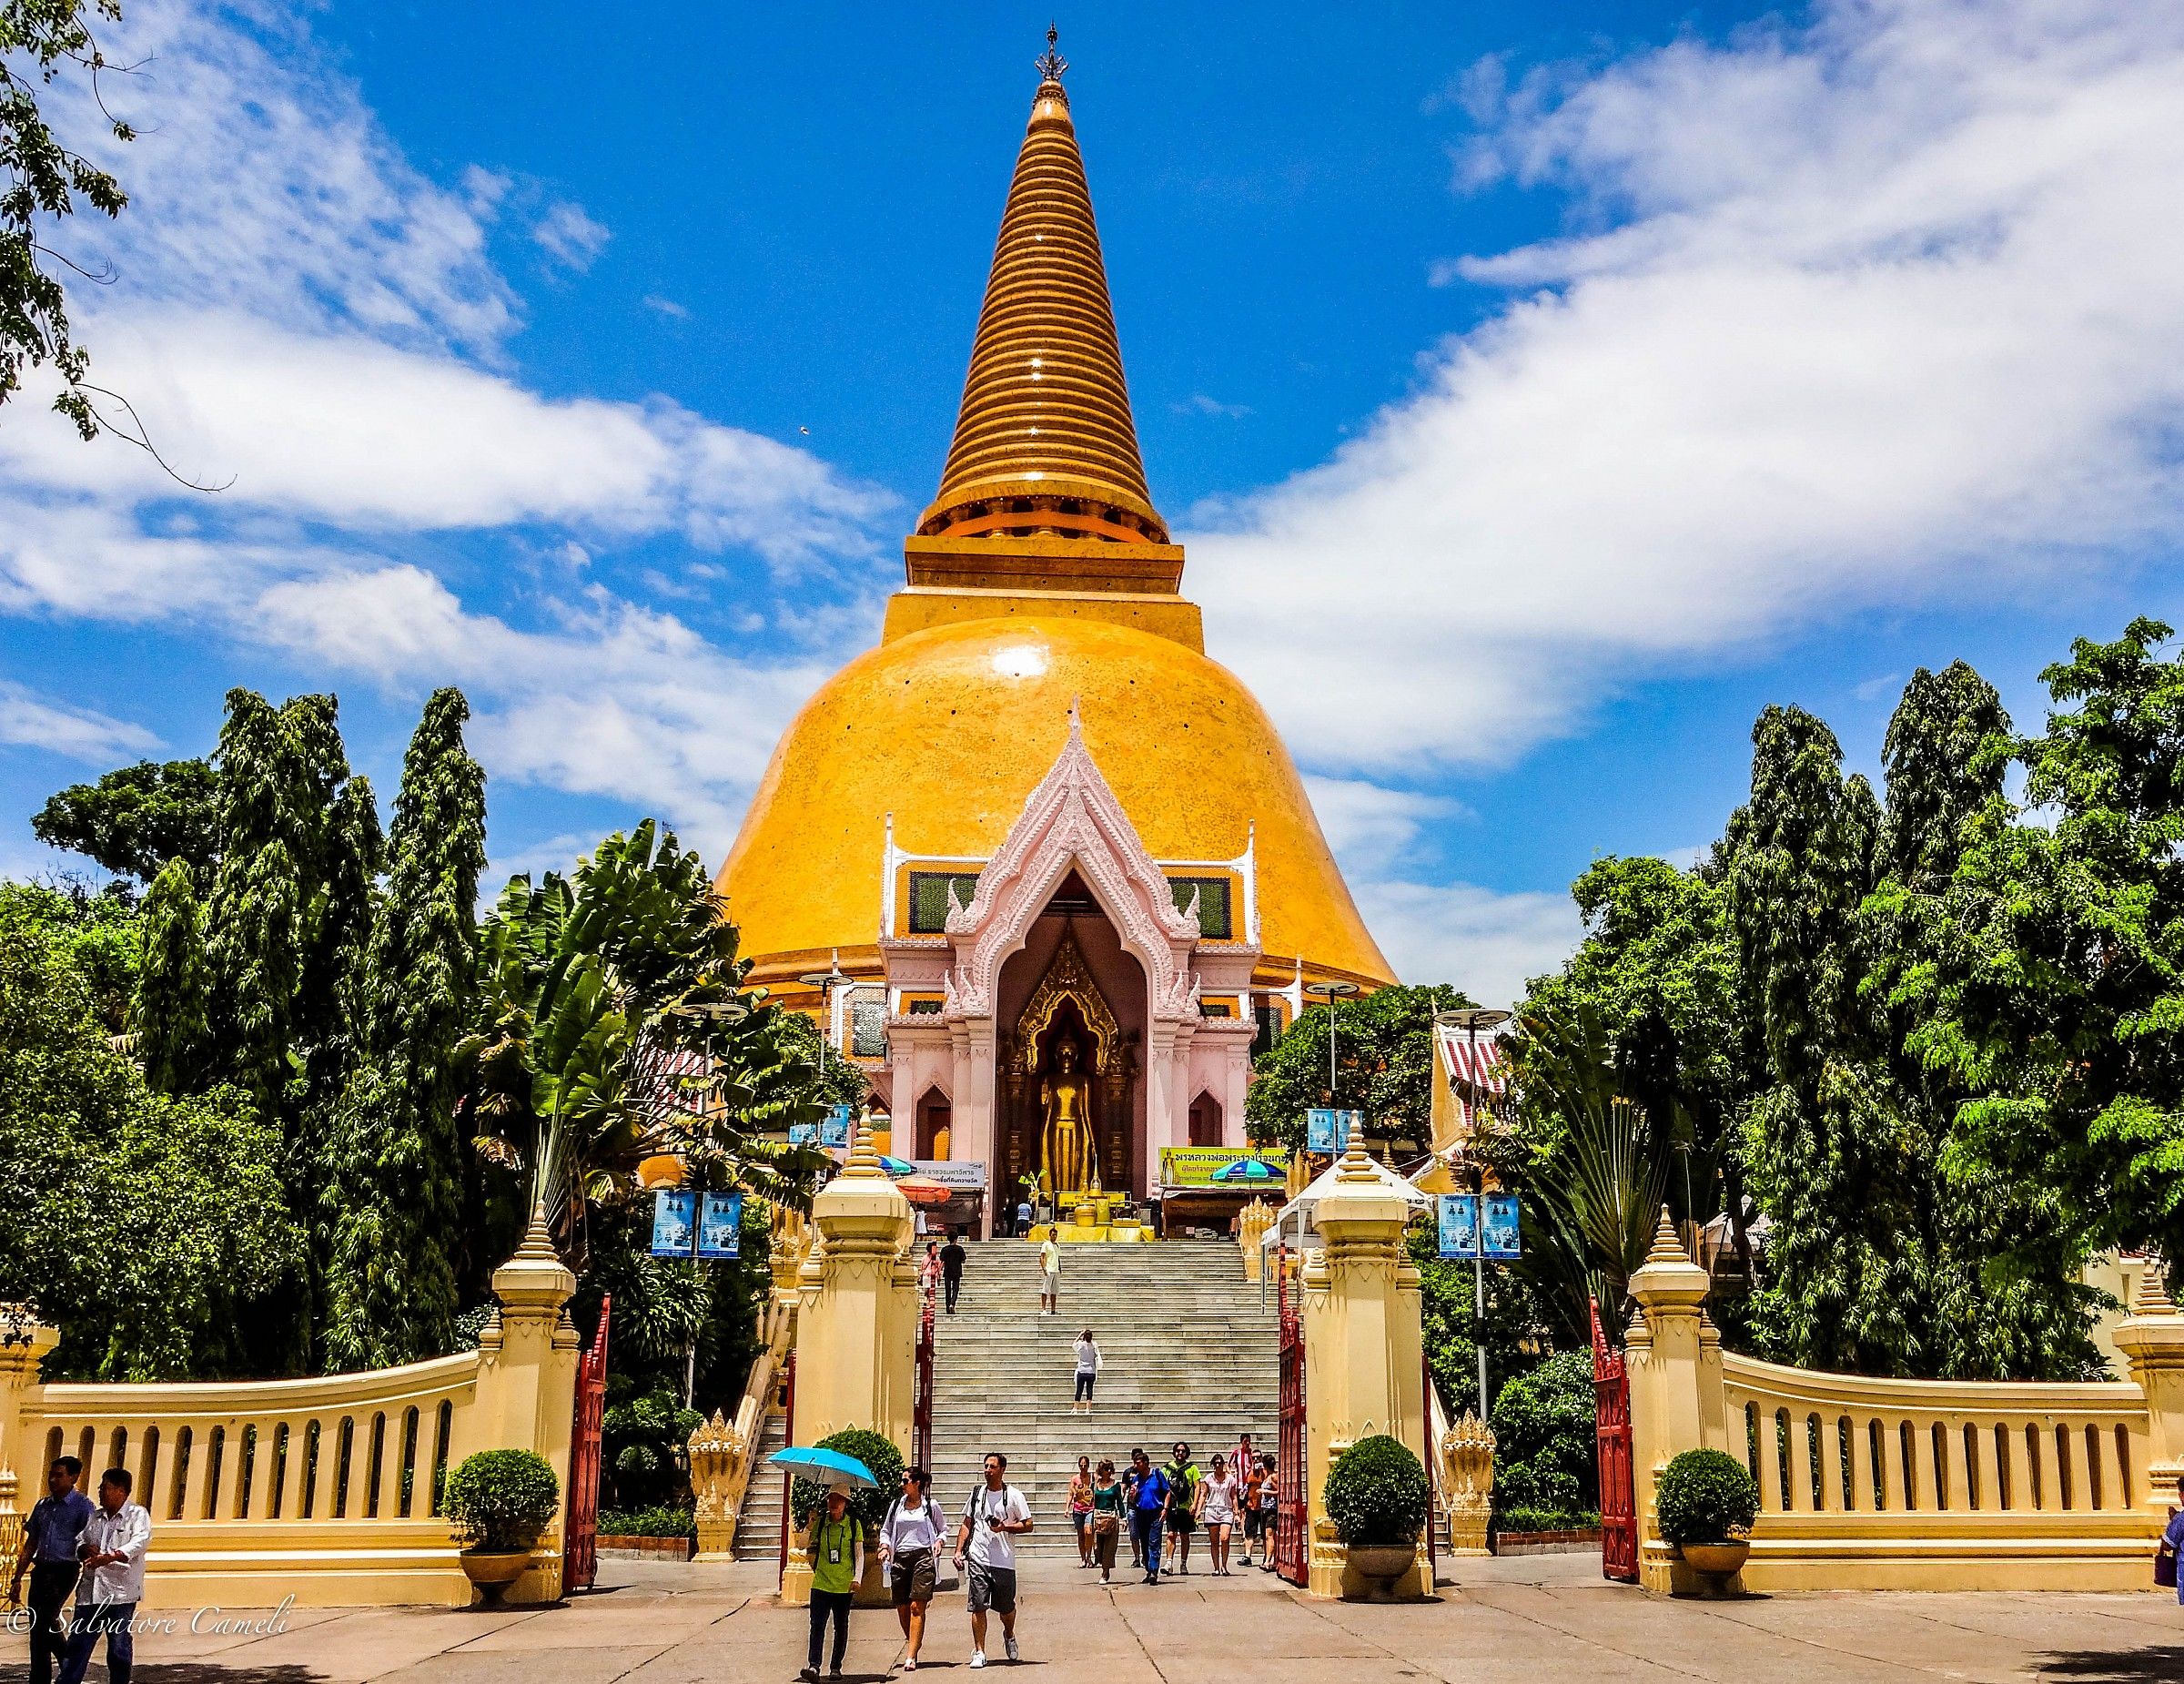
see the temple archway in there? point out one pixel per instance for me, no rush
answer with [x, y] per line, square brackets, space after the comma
[935, 1116]
[1204, 1121]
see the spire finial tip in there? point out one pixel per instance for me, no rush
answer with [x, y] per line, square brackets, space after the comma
[1051, 64]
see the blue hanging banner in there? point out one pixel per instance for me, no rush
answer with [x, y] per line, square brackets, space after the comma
[1497, 1228]
[835, 1130]
[675, 1222]
[1458, 1216]
[721, 1225]
[1328, 1132]
[803, 1133]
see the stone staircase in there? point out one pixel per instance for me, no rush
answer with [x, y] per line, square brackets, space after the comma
[1189, 1353]
[758, 1524]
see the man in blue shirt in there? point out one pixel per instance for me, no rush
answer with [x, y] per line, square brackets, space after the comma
[1148, 1508]
[52, 1539]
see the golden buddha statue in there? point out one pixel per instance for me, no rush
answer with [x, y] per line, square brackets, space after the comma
[1066, 1144]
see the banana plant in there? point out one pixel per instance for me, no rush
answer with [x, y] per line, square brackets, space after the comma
[612, 1024]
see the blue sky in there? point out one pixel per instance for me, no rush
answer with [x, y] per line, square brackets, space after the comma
[1540, 390]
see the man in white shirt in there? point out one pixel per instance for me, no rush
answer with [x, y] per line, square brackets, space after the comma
[991, 1520]
[115, 1540]
[1050, 1274]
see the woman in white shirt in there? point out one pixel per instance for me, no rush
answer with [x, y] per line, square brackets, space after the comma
[910, 1544]
[1215, 1506]
[1088, 1371]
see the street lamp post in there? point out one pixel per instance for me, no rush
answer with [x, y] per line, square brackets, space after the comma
[1330, 992]
[826, 981]
[1471, 1020]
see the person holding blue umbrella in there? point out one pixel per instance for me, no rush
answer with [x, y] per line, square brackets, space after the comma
[837, 1546]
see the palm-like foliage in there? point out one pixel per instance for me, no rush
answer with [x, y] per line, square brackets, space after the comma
[1597, 1168]
[612, 1024]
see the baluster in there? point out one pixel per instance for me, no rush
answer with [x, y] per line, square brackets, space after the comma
[1980, 1449]
[1861, 1465]
[1952, 1479]
[390, 1430]
[1892, 1467]
[193, 1485]
[1801, 1464]
[1770, 1467]
[228, 1499]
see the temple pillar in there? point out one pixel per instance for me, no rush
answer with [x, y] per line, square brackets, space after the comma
[972, 1099]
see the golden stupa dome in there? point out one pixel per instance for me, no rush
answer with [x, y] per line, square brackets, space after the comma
[1042, 574]
[950, 728]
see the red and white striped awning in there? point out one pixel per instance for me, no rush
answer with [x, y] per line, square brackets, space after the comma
[1478, 1062]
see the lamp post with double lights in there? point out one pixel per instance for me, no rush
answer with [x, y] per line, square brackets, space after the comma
[1331, 993]
[1471, 1020]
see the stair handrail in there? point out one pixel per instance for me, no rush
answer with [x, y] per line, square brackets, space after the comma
[724, 1452]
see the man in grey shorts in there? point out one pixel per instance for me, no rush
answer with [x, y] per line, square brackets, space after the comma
[995, 1513]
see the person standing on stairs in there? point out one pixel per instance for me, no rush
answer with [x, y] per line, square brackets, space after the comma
[951, 1270]
[1050, 1274]
[991, 1520]
[1088, 1372]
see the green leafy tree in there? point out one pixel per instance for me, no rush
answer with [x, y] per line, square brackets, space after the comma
[1546, 1459]
[1383, 1066]
[394, 1191]
[97, 927]
[150, 1229]
[611, 1024]
[42, 176]
[2055, 999]
[173, 1007]
[137, 817]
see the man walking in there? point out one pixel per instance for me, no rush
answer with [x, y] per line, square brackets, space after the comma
[52, 1538]
[995, 1513]
[1181, 1511]
[1050, 1274]
[115, 1540]
[1149, 1509]
[951, 1270]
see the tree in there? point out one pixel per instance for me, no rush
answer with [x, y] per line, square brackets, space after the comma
[611, 1024]
[150, 1229]
[2057, 994]
[1384, 1066]
[45, 177]
[137, 817]
[97, 929]
[172, 1011]
[393, 1189]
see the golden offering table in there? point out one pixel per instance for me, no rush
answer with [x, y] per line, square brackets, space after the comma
[1093, 1221]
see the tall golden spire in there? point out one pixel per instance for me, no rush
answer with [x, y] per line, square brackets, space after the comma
[1045, 445]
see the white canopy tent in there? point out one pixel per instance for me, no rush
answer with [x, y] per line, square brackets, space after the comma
[1295, 1226]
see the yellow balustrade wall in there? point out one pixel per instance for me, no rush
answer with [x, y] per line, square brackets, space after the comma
[324, 1491]
[1910, 1484]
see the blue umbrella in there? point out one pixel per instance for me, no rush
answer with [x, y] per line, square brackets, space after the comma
[827, 1464]
[1248, 1170]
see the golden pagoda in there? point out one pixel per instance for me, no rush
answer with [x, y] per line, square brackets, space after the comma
[1035, 855]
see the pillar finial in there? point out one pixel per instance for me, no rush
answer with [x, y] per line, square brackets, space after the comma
[2151, 1295]
[1668, 1245]
[863, 1156]
[1356, 1165]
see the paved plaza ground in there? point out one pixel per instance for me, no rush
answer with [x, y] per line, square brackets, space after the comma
[1529, 1618]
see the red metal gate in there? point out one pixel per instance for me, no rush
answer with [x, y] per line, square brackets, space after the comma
[580, 1548]
[788, 1436]
[1612, 1436]
[921, 1416]
[1292, 1547]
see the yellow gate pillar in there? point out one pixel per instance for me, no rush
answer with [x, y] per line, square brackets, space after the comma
[1677, 1402]
[856, 1326]
[22, 1480]
[2151, 1339]
[1363, 1368]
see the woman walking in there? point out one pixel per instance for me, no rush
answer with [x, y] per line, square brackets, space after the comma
[1088, 1372]
[1106, 1519]
[1255, 1514]
[1216, 1509]
[1080, 1509]
[910, 1544]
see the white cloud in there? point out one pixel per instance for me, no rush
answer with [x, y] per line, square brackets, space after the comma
[1370, 826]
[666, 307]
[61, 729]
[1487, 944]
[1200, 404]
[1879, 308]
[569, 236]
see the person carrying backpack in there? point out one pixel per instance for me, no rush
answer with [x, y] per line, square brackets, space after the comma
[1182, 1477]
[1148, 1507]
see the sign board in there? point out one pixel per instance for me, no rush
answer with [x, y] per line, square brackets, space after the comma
[835, 1130]
[675, 1222]
[1459, 1222]
[956, 1176]
[804, 1134]
[1193, 1166]
[1497, 1228]
[1328, 1132]
[721, 1225]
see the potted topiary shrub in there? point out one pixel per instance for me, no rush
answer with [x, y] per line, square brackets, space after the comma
[501, 1500]
[885, 1461]
[1706, 1501]
[1376, 1496]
